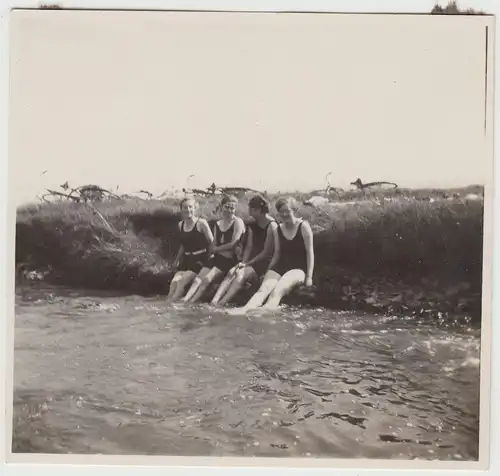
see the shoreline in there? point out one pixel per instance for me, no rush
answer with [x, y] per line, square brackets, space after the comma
[391, 299]
[382, 254]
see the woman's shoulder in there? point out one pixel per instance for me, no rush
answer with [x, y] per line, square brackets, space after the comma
[305, 226]
[272, 225]
[201, 222]
[238, 222]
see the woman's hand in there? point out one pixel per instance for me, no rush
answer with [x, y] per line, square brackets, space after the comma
[308, 282]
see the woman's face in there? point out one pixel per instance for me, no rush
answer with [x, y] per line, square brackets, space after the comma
[188, 209]
[286, 214]
[254, 212]
[228, 209]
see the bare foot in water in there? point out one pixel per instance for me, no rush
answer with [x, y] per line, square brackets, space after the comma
[271, 308]
[236, 311]
[262, 311]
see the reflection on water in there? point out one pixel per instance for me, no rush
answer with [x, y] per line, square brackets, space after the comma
[131, 375]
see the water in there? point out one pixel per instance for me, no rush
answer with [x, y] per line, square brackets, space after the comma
[130, 375]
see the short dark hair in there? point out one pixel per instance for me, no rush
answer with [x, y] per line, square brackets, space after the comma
[228, 198]
[258, 202]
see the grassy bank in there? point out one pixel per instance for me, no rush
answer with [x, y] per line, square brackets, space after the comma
[413, 252]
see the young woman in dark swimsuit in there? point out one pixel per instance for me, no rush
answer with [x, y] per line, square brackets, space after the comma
[258, 252]
[293, 260]
[196, 239]
[228, 232]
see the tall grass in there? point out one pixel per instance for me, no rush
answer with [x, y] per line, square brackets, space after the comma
[408, 240]
[402, 240]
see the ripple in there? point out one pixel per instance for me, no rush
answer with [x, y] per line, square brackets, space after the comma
[132, 375]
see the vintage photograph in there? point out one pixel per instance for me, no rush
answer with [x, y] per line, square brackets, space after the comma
[250, 234]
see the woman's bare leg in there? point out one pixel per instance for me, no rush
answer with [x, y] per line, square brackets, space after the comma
[196, 284]
[178, 284]
[270, 280]
[287, 282]
[241, 277]
[224, 286]
[209, 277]
[173, 284]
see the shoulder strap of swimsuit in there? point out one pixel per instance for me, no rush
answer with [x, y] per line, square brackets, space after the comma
[195, 226]
[299, 230]
[218, 233]
[272, 220]
[244, 235]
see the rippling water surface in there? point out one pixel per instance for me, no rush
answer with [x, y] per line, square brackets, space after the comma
[131, 375]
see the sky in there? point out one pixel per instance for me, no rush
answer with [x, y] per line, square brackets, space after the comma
[143, 100]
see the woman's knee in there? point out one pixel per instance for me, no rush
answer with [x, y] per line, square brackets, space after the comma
[267, 288]
[194, 282]
[177, 277]
[240, 276]
[207, 279]
[233, 271]
[283, 285]
[185, 281]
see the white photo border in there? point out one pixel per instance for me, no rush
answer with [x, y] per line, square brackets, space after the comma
[125, 465]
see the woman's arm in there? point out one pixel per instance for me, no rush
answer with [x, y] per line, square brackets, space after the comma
[177, 260]
[307, 234]
[180, 252]
[205, 229]
[268, 244]
[276, 251]
[239, 228]
[249, 245]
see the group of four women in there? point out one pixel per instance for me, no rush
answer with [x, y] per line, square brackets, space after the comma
[280, 256]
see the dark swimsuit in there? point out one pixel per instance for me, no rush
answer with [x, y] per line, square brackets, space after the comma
[292, 253]
[194, 243]
[258, 240]
[221, 238]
